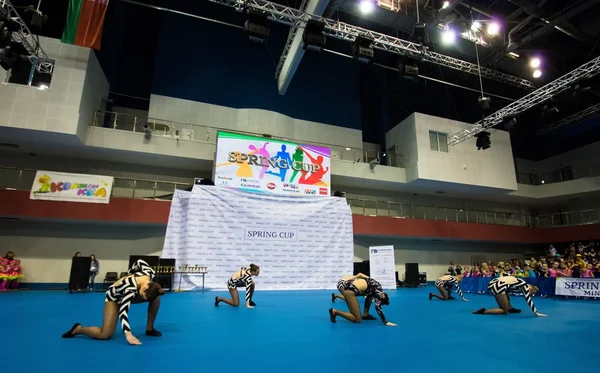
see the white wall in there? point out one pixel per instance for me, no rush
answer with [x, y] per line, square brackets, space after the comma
[403, 139]
[58, 108]
[435, 256]
[208, 117]
[463, 164]
[46, 248]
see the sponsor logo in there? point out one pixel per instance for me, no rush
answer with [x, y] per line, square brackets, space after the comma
[271, 186]
[323, 191]
[224, 177]
[310, 191]
[253, 186]
[291, 186]
[249, 181]
[291, 190]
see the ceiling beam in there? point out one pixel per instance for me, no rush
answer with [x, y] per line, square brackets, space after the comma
[293, 52]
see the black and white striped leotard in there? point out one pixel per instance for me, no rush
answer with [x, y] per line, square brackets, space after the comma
[505, 284]
[374, 290]
[125, 290]
[449, 281]
[245, 279]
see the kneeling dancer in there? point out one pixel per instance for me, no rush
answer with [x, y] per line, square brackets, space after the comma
[353, 286]
[444, 284]
[136, 287]
[500, 287]
[241, 277]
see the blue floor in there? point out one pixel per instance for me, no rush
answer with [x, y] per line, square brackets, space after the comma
[290, 332]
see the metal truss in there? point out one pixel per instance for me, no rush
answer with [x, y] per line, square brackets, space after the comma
[288, 44]
[571, 119]
[23, 36]
[535, 98]
[344, 31]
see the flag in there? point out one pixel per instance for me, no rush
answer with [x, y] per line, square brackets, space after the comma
[85, 21]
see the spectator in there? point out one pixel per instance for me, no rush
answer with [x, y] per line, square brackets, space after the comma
[94, 269]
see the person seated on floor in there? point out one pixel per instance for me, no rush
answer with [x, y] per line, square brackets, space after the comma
[136, 287]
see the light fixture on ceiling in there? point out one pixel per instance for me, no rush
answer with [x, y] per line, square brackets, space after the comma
[445, 4]
[535, 62]
[475, 26]
[366, 6]
[493, 28]
[448, 36]
[513, 55]
[537, 73]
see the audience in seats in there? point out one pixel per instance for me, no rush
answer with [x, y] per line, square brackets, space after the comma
[11, 272]
[574, 260]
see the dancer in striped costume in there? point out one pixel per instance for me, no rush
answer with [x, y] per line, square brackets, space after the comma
[243, 277]
[353, 286]
[445, 284]
[136, 286]
[500, 287]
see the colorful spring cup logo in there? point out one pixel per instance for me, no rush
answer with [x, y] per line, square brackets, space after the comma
[82, 189]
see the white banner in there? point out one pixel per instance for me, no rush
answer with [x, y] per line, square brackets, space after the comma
[578, 287]
[299, 242]
[65, 187]
[383, 265]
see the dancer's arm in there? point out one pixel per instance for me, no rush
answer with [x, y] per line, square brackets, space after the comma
[455, 282]
[527, 295]
[248, 283]
[124, 304]
[380, 311]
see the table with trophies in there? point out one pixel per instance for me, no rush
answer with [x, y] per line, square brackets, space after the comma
[189, 270]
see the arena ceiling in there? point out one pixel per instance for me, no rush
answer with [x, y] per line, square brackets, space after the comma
[563, 34]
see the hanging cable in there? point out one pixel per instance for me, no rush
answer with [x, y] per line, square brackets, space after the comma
[417, 4]
[477, 55]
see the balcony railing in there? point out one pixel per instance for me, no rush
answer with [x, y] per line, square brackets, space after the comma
[558, 176]
[206, 134]
[22, 179]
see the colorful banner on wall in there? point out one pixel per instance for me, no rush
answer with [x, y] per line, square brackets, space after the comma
[299, 242]
[382, 264]
[578, 287]
[65, 187]
[263, 165]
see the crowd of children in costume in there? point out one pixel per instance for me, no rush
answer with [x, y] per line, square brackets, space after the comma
[11, 272]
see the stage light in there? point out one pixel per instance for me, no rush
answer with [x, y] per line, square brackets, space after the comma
[363, 49]
[483, 140]
[537, 73]
[493, 28]
[257, 26]
[476, 26]
[408, 69]
[448, 36]
[445, 4]
[535, 62]
[513, 55]
[43, 87]
[366, 6]
[313, 38]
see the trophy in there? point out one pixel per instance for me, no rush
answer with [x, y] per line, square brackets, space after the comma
[180, 269]
[196, 268]
[186, 268]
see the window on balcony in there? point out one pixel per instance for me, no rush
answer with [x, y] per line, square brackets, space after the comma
[438, 142]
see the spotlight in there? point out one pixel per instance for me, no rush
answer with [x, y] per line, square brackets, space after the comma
[483, 140]
[408, 69]
[484, 102]
[313, 38]
[147, 131]
[366, 6]
[537, 73]
[419, 34]
[363, 49]
[448, 36]
[493, 28]
[257, 26]
[476, 26]
[535, 62]
[445, 4]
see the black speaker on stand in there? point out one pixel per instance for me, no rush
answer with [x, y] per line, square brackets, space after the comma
[80, 273]
[411, 274]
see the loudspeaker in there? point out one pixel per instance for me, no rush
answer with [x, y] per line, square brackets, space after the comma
[412, 273]
[80, 273]
[362, 267]
[165, 280]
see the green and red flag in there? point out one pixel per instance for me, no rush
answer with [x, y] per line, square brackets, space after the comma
[85, 21]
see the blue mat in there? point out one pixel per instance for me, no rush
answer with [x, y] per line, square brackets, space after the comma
[289, 331]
